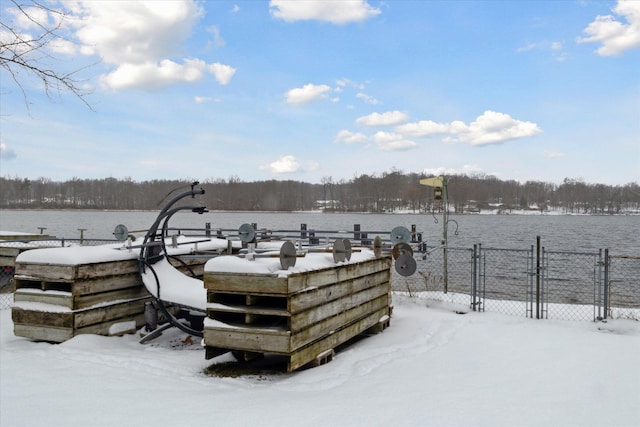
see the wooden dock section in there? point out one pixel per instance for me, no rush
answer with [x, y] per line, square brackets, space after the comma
[64, 292]
[303, 315]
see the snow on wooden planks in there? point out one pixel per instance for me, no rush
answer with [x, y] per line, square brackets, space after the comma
[55, 300]
[301, 315]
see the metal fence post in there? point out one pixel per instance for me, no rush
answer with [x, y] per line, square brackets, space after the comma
[474, 274]
[606, 283]
[537, 277]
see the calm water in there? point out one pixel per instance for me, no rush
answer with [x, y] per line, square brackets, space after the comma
[621, 234]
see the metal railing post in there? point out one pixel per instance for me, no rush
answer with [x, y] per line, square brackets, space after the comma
[537, 277]
[606, 282]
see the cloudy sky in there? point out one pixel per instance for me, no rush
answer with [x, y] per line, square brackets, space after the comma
[523, 90]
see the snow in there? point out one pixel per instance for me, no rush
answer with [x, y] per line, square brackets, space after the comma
[430, 367]
[175, 286]
[77, 255]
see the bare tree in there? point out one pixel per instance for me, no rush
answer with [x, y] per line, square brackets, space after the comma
[25, 54]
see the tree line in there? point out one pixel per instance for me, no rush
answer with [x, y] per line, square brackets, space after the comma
[387, 192]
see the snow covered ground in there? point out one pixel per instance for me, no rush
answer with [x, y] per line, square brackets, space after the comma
[432, 366]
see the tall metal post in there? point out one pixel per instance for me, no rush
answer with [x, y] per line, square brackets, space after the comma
[538, 277]
[445, 219]
[606, 283]
[441, 182]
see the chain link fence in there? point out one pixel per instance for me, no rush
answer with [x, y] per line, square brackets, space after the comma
[623, 296]
[533, 282]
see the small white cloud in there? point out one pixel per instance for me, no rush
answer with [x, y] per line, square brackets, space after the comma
[494, 128]
[336, 12]
[313, 166]
[489, 128]
[235, 8]
[527, 48]
[367, 98]
[553, 154]
[223, 73]
[389, 118]
[285, 164]
[387, 141]
[307, 93]
[350, 137]
[615, 36]
[151, 75]
[217, 38]
[7, 153]
[202, 99]
[465, 170]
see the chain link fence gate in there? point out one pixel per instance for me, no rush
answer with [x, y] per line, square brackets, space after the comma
[535, 282]
[622, 294]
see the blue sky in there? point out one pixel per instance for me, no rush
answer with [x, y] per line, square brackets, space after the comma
[305, 90]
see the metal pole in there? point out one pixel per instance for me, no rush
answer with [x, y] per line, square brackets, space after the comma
[445, 208]
[474, 273]
[606, 283]
[537, 277]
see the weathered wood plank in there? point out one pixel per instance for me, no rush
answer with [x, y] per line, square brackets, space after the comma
[42, 318]
[86, 301]
[109, 312]
[330, 275]
[307, 318]
[329, 325]
[43, 333]
[247, 339]
[317, 296]
[245, 283]
[103, 328]
[307, 354]
[63, 299]
[104, 284]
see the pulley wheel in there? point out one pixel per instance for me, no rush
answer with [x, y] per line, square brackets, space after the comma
[400, 234]
[287, 255]
[121, 232]
[400, 249]
[247, 233]
[406, 265]
[347, 248]
[339, 252]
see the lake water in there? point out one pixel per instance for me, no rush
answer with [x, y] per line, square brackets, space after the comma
[621, 234]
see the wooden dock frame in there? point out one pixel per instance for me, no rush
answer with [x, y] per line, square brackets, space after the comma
[55, 302]
[303, 316]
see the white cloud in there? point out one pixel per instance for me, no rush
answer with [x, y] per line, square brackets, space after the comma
[202, 99]
[388, 141]
[489, 128]
[389, 118]
[336, 12]
[142, 40]
[351, 137]
[136, 32]
[217, 41]
[152, 75]
[465, 170]
[553, 154]
[367, 98]
[313, 166]
[223, 73]
[285, 164]
[7, 153]
[615, 36]
[307, 93]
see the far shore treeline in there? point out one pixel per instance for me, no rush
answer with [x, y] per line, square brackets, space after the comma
[387, 192]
